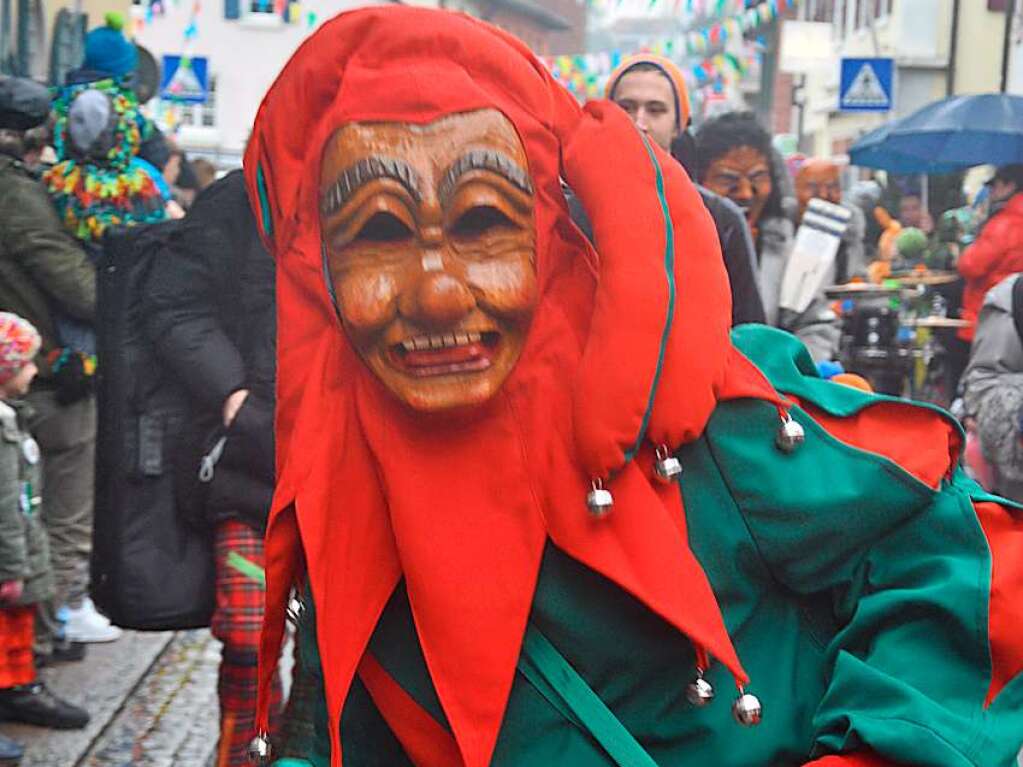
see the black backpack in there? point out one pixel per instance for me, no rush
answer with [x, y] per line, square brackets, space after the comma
[151, 568]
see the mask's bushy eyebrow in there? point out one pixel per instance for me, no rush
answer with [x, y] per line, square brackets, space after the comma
[362, 172]
[485, 159]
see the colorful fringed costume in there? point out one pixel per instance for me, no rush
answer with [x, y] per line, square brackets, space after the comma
[104, 184]
[465, 608]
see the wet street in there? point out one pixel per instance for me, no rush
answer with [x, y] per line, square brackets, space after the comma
[153, 703]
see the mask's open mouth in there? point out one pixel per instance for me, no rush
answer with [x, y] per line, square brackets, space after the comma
[445, 353]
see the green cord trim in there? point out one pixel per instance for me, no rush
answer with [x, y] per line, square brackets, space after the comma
[246, 567]
[669, 268]
[264, 202]
[560, 684]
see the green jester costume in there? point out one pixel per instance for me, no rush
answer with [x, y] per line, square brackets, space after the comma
[540, 507]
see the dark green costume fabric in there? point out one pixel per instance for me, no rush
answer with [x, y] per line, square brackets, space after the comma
[856, 595]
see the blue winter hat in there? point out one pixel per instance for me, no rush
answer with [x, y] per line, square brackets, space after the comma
[107, 50]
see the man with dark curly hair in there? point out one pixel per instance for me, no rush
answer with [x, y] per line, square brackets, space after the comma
[736, 160]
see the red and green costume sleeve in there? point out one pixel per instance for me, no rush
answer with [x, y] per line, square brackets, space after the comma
[866, 582]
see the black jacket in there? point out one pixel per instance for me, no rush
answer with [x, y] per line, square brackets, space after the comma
[211, 316]
[736, 249]
[739, 255]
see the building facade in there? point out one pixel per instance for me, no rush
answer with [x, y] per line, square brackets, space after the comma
[939, 47]
[245, 43]
[548, 27]
[41, 39]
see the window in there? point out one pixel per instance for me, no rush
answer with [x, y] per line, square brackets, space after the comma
[208, 111]
[261, 6]
[820, 10]
[201, 115]
[841, 17]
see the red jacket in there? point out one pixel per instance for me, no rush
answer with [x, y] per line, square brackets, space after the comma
[997, 253]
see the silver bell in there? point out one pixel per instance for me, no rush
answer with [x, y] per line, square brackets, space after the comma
[294, 611]
[260, 752]
[700, 692]
[790, 435]
[667, 468]
[599, 500]
[747, 709]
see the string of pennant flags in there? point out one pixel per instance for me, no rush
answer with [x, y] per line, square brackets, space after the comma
[584, 74]
[704, 8]
[292, 11]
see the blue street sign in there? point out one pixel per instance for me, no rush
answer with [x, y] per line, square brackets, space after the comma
[866, 85]
[185, 79]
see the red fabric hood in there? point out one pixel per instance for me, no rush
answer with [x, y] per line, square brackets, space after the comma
[625, 352]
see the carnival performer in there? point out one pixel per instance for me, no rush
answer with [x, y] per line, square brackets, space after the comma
[736, 160]
[540, 509]
[821, 178]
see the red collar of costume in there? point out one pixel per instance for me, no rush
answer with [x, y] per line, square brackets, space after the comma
[626, 352]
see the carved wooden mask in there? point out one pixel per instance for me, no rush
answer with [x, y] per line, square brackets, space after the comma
[428, 235]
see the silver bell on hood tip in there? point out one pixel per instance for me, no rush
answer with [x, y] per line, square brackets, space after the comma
[667, 468]
[599, 500]
[790, 435]
[260, 752]
[700, 692]
[747, 710]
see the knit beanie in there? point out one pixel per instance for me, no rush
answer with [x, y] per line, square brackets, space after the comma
[24, 103]
[19, 343]
[107, 50]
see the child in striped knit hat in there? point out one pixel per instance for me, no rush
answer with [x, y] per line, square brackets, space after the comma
[26, 576]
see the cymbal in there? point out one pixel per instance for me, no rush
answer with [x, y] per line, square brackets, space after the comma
[937, 322]
[926, 278]
[860, 290]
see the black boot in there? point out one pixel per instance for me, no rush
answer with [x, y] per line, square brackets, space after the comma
[63, 652]
[35, 704]
[10, 752]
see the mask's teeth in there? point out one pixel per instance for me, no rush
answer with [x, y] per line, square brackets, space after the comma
[445, 341]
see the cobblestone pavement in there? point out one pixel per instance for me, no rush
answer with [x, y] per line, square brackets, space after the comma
[153, 703]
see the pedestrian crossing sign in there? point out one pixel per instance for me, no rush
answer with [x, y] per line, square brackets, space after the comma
[866, 85]
[184, 79]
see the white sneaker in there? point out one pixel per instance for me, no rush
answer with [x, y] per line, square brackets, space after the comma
[85, 625]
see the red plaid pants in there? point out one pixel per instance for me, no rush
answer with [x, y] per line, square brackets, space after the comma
[17, 629]
[237, 621]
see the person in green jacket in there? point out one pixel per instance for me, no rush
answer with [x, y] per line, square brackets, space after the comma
[26, 577]
[539, 506]
[44, 276]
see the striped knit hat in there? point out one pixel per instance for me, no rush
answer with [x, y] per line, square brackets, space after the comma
[19, 343]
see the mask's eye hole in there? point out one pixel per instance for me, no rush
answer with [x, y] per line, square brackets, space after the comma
[479, 220]
[384, 227]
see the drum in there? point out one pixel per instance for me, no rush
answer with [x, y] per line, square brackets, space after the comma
[872, 347]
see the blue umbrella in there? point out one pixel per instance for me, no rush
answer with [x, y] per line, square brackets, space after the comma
[951, 134]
